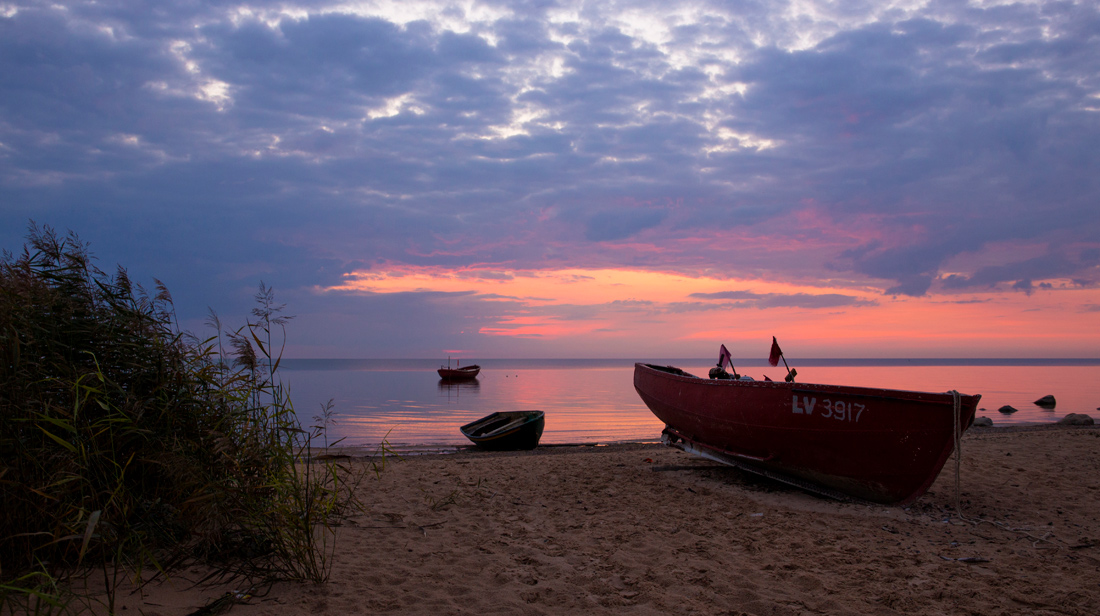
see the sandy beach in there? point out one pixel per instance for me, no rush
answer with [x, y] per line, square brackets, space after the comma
[644, 529]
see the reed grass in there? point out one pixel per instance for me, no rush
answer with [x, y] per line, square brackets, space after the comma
[129, 447]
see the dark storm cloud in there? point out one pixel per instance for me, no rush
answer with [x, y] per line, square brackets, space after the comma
[216, 144]
[1022, 273]
[748, 299]
[727, 295]
[620, 223]
[972, 147]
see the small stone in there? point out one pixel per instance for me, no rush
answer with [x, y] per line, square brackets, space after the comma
[983, 422]
[1076, 419]
[1046, 402]
[1007, 409]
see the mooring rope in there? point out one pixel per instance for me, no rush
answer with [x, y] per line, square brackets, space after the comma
[957, 408]
[956, 412]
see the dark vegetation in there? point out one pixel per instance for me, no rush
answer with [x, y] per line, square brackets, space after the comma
[129, 448]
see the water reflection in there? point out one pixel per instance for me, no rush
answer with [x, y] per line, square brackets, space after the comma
[456, 388]
[598, 403]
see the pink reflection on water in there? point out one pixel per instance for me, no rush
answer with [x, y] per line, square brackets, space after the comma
[581, 405]
[585, 405]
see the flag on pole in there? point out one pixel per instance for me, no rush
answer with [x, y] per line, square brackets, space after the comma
[776, 353]
[724, 357]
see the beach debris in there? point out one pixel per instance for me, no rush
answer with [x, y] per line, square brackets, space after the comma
[983, 422]
[222, 604]
[687, 467]
[1076, 419]
[966, 559]
[1046, 402]
[1008, 409]
[424, 528]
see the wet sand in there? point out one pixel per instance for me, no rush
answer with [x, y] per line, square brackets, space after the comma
[644, 529]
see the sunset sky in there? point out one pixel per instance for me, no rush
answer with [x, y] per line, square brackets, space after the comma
[577, 179]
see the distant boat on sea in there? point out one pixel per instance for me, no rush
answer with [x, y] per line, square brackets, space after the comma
[880, 445]
[448, 373]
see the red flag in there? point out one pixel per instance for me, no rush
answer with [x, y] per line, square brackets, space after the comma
[773, 359]
[724, 357]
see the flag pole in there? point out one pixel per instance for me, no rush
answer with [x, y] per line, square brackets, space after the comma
[777, 354]
[790, 373]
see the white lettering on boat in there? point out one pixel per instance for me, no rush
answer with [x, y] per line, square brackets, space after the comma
[839, 410]
[807, 405]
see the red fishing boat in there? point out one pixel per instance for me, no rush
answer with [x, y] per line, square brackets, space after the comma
[879, 445]
[459, 374]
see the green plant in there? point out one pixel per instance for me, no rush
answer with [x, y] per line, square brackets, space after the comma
[36, 592]
[126, 444]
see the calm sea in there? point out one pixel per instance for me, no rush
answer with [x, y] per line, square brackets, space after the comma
[404, 402]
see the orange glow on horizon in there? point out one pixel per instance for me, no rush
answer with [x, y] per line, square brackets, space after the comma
[579, 286]
[602, 312]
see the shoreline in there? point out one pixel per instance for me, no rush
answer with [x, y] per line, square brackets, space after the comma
[428, 449]
[647, 529]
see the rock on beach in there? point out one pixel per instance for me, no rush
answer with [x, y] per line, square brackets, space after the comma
[1076, 419]
[1046, 402]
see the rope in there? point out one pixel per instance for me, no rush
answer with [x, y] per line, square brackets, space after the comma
[1056, 543]
[957, 410]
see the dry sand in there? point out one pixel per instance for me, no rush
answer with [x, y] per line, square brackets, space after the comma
[644, 529]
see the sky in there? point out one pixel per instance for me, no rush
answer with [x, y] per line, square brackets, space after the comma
[532, 178]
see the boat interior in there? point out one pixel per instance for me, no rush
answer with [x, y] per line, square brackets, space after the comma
[670, 370]
[499, 424]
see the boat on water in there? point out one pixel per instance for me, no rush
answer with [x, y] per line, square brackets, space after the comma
[459, 374]
[879, 445]
[506, 430]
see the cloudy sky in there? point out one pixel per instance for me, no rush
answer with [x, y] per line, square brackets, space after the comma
[542, 178]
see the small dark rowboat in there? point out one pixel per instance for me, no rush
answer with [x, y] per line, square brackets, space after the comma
[506, 431]
[459, 374]
[879, 445]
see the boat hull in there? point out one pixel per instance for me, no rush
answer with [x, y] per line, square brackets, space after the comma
[506, 431]
[459, 374]
[880, 445]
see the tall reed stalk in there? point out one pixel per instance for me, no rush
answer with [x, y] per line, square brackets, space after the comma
[127, 445]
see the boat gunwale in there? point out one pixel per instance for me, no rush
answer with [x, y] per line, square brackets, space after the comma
[910, 395]
[527, 416]
[469, 368]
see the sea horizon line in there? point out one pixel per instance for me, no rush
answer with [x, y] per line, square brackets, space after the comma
[305, 363]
